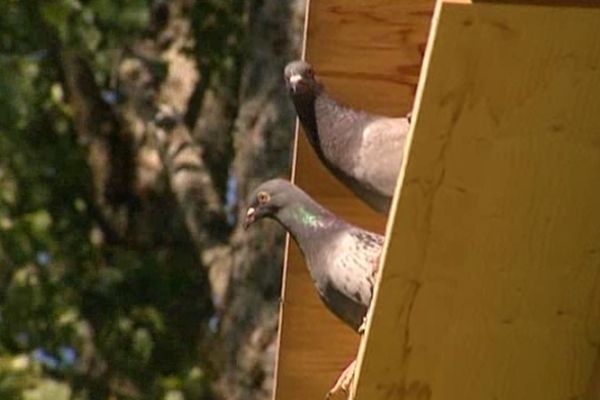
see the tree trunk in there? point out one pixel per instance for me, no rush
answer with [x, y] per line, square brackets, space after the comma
[175, 158]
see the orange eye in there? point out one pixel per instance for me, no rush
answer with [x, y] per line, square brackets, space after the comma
[263, 197]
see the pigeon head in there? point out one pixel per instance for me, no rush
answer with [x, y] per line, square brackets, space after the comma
[268, 199]
[300, 79]
[284, 202]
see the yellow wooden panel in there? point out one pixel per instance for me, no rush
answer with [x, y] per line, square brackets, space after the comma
[368, 53]
[491, 281]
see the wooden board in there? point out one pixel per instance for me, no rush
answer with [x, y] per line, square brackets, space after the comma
[368, 54]
[491, 281]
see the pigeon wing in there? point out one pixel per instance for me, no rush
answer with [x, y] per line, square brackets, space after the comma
[353, 266]
[380, 153]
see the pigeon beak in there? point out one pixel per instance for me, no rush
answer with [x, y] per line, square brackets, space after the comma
[250, 217]
[294, 79]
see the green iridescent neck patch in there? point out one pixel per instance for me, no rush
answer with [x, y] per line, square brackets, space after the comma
[307, 218]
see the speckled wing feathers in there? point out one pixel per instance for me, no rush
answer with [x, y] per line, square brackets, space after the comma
[352, 262]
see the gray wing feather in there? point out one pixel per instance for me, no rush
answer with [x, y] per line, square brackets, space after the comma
[356, 263]
[343, 269]
[381, 152]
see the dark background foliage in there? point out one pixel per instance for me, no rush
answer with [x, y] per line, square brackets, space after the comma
[130, 133]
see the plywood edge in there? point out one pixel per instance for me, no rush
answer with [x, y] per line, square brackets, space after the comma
[286, 254]
[393, 211]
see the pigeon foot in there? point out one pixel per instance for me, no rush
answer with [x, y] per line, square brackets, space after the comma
[363, 326]
[343, 382]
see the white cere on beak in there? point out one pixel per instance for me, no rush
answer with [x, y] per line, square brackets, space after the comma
[250, 212]
[295, 78]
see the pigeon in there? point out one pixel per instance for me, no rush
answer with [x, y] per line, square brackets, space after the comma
[364, 151]
[342, 259]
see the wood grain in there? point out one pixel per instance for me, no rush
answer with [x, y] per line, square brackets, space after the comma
[368, 54]
[490, 287]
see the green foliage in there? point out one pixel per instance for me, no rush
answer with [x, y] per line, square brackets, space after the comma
[20, 378]
[80, 319]
[48, 389]
[218, 26]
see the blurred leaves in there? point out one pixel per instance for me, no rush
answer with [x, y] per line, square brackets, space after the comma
[21, 377]
[48, 389]
[81, 318]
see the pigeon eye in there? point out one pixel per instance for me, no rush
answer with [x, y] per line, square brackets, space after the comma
[263, 197]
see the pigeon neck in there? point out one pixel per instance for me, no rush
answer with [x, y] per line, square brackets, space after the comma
[339, 132]
[305, 107]
[307, 220]
[336, 121]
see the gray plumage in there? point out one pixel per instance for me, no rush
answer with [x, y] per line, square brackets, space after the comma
[342, 259]
[362, 150]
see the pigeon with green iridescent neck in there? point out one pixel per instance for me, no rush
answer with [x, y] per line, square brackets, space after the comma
[364, 151]
[342, 259]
